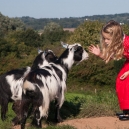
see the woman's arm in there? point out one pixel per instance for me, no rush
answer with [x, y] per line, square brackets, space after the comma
[95, 50]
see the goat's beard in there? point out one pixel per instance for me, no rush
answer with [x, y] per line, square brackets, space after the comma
[77, 62]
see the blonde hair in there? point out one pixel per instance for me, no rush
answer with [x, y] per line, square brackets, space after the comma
[115, 48]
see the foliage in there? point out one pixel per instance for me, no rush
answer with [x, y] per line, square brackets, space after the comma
[87, 33]
[10, 24]
[99, 103]
[91, 73]
[52, 33]
[40, 23]
[20, 47]
[28, 37]
[126, 29]
[72, 22]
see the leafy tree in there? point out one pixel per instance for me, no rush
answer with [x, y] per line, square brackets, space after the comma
[10, 24]
[32, 38]
[53, 32]
[4, 47]
[126, 29]
[51, 27]
[87, 33]
[28, 37]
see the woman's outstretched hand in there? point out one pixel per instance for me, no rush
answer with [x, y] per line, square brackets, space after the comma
[95, 50]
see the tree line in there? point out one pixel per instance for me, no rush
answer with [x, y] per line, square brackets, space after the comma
[72, 22]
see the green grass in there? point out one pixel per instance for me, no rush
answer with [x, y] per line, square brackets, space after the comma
[60, 127]
[93, 104]
[7, 124]
[54, 127]
[76, 105]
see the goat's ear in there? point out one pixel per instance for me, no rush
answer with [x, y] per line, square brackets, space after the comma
[64, 45]
[46, 52]
[75, 47]
[39, 51]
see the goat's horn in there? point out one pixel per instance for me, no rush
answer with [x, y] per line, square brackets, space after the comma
[64, 44]
[39, 51]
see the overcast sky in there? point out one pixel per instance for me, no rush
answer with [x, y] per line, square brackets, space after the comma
[62, 8]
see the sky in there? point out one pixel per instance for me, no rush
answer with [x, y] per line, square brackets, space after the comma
[62, 8]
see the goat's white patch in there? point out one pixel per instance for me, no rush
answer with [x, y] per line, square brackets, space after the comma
[15, 87]
[69, 61]
[45, 63]
[84, 55]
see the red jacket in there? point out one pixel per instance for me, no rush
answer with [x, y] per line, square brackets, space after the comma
[122, 86]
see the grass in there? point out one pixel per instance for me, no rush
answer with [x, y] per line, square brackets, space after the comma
[76, 105]
[99, 104]
[53, 127]
[94, 104]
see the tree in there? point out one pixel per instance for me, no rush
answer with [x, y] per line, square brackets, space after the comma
[87, 33]
[29, 37]
[10, 24]
[52, 33]
[32, 38]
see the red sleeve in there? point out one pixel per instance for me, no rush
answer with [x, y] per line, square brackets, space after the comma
[126, 47]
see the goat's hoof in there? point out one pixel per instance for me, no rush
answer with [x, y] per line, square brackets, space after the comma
[4, 118]
[15, 121]
[34, 123]
[59, 120]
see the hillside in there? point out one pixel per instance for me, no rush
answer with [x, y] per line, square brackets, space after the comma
[72, 22]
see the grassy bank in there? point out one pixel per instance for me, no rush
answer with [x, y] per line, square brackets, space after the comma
[77, 105]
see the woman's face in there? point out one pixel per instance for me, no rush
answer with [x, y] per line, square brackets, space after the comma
[107, 38]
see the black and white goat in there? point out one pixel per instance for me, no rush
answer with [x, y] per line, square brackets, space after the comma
[41, 86]
[12, 81]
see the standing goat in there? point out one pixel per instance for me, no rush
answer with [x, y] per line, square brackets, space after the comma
[12, 81]
[41, 86]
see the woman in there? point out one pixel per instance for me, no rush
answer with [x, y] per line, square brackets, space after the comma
[115, 45]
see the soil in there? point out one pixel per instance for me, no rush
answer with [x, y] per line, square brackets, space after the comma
[95, 123]
[98, 123]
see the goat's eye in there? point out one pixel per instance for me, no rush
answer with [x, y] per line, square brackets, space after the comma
[70, 49]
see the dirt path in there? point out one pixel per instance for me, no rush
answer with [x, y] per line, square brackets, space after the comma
[95, 123]
[98, 123]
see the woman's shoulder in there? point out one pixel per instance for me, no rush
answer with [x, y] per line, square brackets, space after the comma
[126, 36]
[126, 40]
[126, 46]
